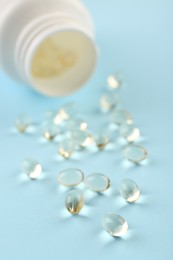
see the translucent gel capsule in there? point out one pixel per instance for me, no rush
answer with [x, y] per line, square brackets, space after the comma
[113, 82]
[120, 117]
[67, 148]
[115, 225]
[50, 114]
[97, 182]
[50, 131]
[109, 101]
[101, 141]
[60, 116]
[129, 190]
[54, 117]
[135, 153]
[68, 110]
[81, 138]
[32, 168]
[74, 201]
[129, 132]
[75, 124]
[70, 177]
[58, 119]
[22, 123]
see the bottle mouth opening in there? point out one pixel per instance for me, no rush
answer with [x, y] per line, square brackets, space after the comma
[59, 62]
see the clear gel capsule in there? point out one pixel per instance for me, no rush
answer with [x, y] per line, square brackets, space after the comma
[120, 117]
[113, 82]
[75, 124]
[54, 117]
[50, 131]
[97, 182]
[32, 168]
[101, 141]
[22, 123]
[129, 190]
[70, 177]
[66, 148]
[129, 132]
[82, 139]
[74, 201]
[68, 110]
[115, 225]
[135, 153]
[109, 101]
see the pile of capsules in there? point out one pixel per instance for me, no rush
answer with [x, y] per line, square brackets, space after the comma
[72, 135]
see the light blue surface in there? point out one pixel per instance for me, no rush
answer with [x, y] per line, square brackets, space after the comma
[135, 36]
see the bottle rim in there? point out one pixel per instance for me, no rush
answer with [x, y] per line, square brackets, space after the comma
[36, 34]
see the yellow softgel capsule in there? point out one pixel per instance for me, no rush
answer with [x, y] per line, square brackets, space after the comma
[74, 201]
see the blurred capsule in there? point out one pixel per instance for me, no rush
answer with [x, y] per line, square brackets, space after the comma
[113, 82]
[82, 139]
[135, 153]
[68, 110]
[109, 101]
[50, 131]
[120, 117]
[129, 132]
[101, 141]
[23, 122]
[75, 124]
[66, 148]
[31, 168]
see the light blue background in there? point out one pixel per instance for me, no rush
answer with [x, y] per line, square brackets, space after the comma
[136, 37]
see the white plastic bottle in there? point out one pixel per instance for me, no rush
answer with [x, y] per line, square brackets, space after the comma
[48, 44]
